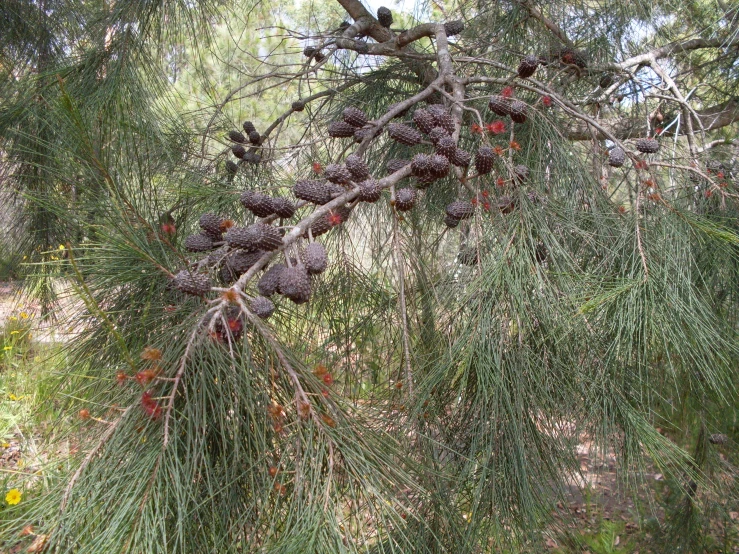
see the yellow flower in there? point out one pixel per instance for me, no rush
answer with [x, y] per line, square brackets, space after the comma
[24, 315]
[7, 348]
[13, 496]
[14, 332]
[13, 318]
[62, 247]
[6, 445]
[12, 396]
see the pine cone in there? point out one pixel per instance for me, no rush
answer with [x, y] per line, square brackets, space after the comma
[357, 167]
[425, 181]
[283, 207]
[528, 66]
[259, 204]
[231, 168]
[451, 222]
[423, 120]
[454, 27]
[315, 258]
[270, 281]
[499, 105]
[262, 307]
[337, 173]
[518, 111]
[573, 57]
[446, 146]
[328, 221]
[298, 106]
[606, 80]
[258, 236]
[521, 173]
[248, 127]
[309, 52]
[437, 133]
[484, 160]
[506, 204]
[191, 283]
[420, 165]
[354, 117]
[405, 199]
[395, 165]
[616, 157]
[340, 129]
[295, 284]
[360, 134]
[235, 136]
[460, 210]
[239, 261]
[403, 134]
[461, 158]
[384, 16]
[438, 166]
[647, 145]
[316, 192]
[211, 224]
[255, 138]
[369, 191]
[442, 118]
[238, 150]
[198, 243]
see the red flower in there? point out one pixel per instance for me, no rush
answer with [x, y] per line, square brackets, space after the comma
[498, 150]
[169, 228]
[474, 201]
[328, 379]
[507, 92]
[515, 145]
[317, 168]
[485, 194]
[500, 182]
[486, 206]
[150, 406]
[475, 129]
[334, 219]
[496, 127]
[547, 101]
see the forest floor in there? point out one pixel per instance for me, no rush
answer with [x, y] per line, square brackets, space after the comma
[596, 516]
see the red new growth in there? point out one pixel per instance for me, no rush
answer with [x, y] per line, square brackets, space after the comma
[507, 92]
[500, 182]
[317, 167]
[485, 194]
[168, 228]
[150, 406]
[515, 145]
[328, 379]
[235, 325]
[498, 150]
[496, 127]
[474, 201]
[547, 101]
[475, 129]
[486, 206]
[334, 219]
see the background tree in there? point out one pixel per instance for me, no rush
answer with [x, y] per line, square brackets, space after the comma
[557, 259]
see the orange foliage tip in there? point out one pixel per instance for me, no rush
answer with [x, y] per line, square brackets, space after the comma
[641, 164]
[547, 101]
[655, 197]
[515, 145]
[275, 410]
[486, 206]
[658, 131]
[280, 488]
[723, 184]
[500, 182]
[498, 150]
[278, 428]
[320, 370]
[328, 420]
[272, 471]
[328, 379]
[226, 224]
[84, 413]
[151, 407]
[145, 376]
[473, 201]
[27, 530]
[709, 193]
[150, 353]
[230, 295]
[496, 127]
[720, 174]
[622, 209]
[304, 410]
[507, 92]
[236, 325]
[399, 385]
[475, 129]
[485, 194]
[648, 183]
[334, 219]
[317, 168]
[121, 377]
[325, 393]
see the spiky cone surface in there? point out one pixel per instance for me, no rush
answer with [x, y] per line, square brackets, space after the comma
[269, 283]
[453, 28]
[235, 136]
[316, 192]
[451, 222]
[616, 157]
[255, 138]
[295, 283]
[354, 116]
[384, 16]
[252, 158]
[361, 134]
[499, 105]
[357, 167]
[438, 165]
[315, 258]
[446, 146]
[395, 165]
[423, 120]
[340, 129]
[421, 165]
[647, 145]
[328, 221]
[337, 173]
[518, 111]
[239, 261]
[437, 133]
[268, 238]
[442, 118]
[298, 106]
[248, 127]
[606, 80]
[231, 168]
[191, 283]
[262, 307]
[238, 150]
[521, 173]
[319, 56]
[211, 224]
[461, 158]
[257, 203]
[528, 66]
[198, 243]
[369, 191]
[425, 181]
[283, 207]
[484, 160]
[403, 134]
[405, 199]
[460, 209]
[506, 204]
